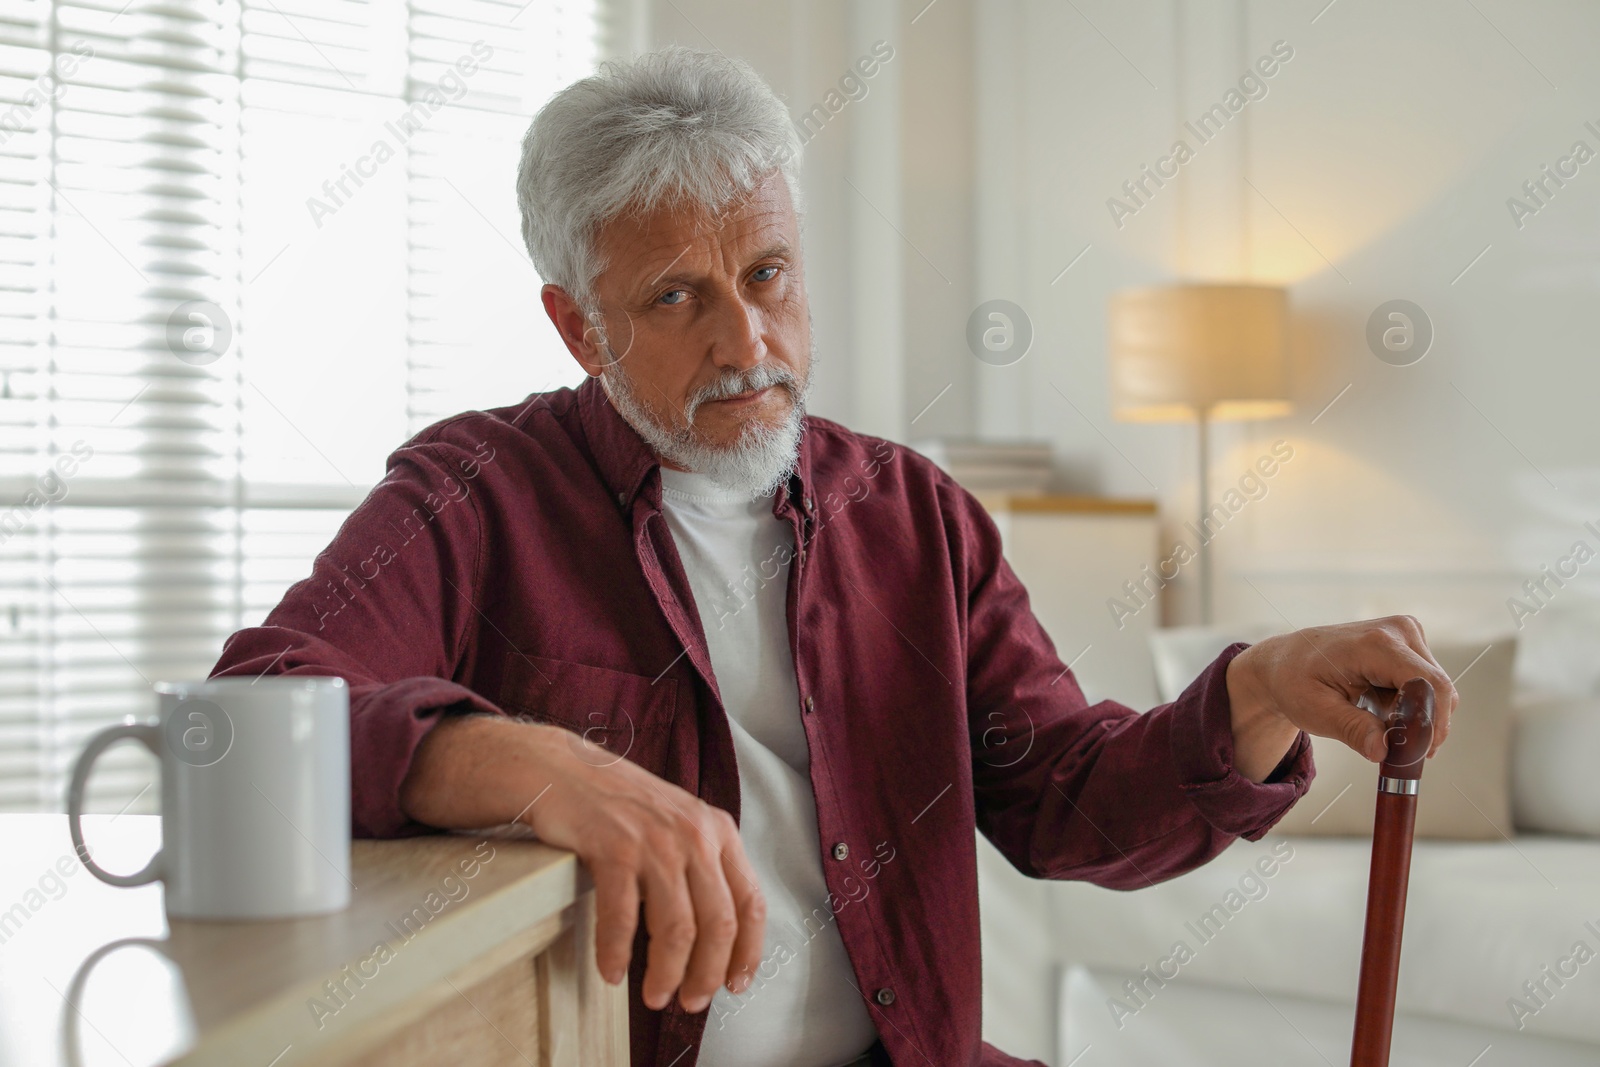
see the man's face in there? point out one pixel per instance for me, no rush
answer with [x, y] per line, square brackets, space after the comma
[692, 303]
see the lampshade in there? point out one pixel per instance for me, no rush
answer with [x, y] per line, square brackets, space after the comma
[1182, 351]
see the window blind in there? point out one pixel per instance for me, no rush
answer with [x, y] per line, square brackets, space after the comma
[247, 247]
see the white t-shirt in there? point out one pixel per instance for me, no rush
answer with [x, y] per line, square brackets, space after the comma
[802, 1008]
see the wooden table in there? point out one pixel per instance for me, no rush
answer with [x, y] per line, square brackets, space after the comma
[471, 949]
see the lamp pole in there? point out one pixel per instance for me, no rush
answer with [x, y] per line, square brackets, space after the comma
[1203, 548]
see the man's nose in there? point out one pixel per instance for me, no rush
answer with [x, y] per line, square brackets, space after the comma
[738, 342]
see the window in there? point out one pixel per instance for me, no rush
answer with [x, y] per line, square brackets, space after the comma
[246, 249]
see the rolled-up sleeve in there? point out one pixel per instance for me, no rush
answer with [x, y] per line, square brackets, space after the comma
[390, 607]
[1102, 792]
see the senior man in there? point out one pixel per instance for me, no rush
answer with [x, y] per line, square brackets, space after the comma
[763, 674]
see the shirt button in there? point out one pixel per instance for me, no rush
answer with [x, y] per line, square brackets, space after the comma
[885, 996]
[622, 500]
[841, 851]
[806, 503]
[810, 703]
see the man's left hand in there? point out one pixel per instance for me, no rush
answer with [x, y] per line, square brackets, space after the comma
[1311, 679]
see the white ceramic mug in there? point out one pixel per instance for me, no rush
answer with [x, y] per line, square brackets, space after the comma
[255, 796]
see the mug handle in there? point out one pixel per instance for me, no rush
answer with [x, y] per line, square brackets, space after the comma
[148, 734]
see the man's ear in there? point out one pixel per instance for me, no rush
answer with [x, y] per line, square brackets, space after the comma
[582, 337]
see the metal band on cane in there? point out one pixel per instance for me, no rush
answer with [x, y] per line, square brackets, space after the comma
[1403, 786]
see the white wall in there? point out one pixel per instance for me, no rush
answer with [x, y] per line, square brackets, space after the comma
[1382, 158]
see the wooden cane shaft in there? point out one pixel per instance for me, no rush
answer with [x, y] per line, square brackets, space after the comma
[1386, 913]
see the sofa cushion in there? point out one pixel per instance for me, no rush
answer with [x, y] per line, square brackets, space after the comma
[1555, 788]
[1466, 786]
[1465, 790]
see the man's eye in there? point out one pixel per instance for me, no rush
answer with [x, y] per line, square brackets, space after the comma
[671, 293]
[770, 272]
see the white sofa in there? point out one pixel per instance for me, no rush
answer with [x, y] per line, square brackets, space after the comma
[1481, 920]
[1274, 982]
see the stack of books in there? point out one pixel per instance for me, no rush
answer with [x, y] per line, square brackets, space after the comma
[1011, 466]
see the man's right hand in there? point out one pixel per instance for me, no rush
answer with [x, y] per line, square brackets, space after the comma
[644, 840]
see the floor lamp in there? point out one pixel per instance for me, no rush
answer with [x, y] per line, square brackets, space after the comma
[1201, 352]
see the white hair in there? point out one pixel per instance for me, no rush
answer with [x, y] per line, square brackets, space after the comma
[667, 126]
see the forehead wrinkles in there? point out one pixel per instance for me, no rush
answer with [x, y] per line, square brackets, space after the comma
[682, 242]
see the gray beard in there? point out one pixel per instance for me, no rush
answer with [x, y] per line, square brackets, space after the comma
[756, 464]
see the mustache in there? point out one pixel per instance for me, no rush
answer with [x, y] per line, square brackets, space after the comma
[734, 382]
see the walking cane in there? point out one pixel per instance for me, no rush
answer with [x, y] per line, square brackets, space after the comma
[1408, 715]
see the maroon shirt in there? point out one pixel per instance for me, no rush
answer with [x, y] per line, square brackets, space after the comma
[518, 561]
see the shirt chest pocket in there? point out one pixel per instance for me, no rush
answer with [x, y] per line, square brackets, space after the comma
[613, 715]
